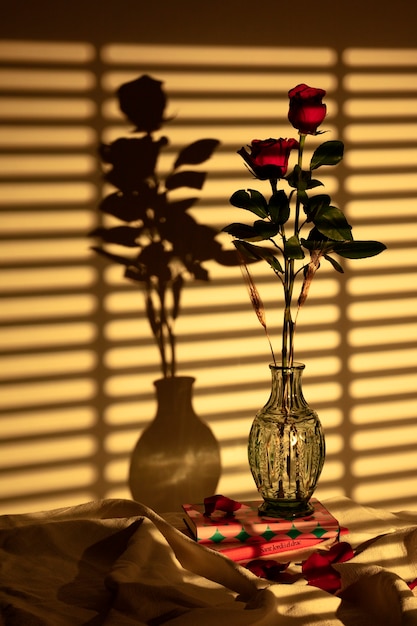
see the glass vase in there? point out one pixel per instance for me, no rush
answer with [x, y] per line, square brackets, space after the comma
[176, 460]
[286, 447]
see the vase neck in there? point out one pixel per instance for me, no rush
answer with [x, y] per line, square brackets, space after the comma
[286, 389]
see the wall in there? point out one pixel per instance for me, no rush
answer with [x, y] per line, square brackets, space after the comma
[77, 359]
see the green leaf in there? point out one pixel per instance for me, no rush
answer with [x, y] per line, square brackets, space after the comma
[196, 152]
[265, 229]
[299, 179]
[321, 245]
[274, 263]
[292, 177]
[186, 179]
[257, 253]
[335, 264]
[252, 201]
[311, 205]
[328, 153]
[332, 223]
[293, 249]
[279, 207]
[247, 250]
[359, 249]
[314, 183]
[302, 196]
[318, 201]
[242, 231]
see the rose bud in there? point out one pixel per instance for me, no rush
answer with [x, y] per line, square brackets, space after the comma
[307, 110]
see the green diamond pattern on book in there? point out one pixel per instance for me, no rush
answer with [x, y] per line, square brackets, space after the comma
[319, 531]
[242, 536]
[268, 534]
[217, 537]
[246, 524]
[294, 533]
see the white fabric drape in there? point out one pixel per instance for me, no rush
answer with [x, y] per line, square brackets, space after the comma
[118, 563]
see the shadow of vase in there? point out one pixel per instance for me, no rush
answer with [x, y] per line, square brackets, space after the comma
[177, 458]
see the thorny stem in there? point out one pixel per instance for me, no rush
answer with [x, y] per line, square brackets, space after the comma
[288, 330]
[301, 144]
[287, 291]
[289, 275]
[297, 229]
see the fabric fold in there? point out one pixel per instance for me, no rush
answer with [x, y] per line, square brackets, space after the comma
[118, 563]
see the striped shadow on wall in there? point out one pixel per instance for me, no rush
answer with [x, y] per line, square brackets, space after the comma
[77, 362]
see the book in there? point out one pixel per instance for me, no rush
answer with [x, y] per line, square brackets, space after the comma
[243, 553]
[245, 526]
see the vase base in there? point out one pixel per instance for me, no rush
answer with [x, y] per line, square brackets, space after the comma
[285, 509]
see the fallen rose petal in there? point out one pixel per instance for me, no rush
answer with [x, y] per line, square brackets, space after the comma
[318, 570]
[267, 568]
[220, 503]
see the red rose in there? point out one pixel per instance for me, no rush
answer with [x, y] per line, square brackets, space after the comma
[307, 111]
[268, 158]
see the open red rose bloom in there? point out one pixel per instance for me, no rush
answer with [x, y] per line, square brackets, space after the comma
[269, 157]
[307, 110]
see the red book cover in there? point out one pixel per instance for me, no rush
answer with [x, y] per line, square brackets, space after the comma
[245, 526]
[241, 552]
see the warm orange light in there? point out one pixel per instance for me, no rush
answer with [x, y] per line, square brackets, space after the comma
[76, 355]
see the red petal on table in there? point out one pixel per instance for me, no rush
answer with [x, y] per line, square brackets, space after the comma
[318, 570]
[220, 503]
[267, 568]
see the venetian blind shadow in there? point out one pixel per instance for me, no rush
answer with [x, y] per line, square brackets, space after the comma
[75, 389]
